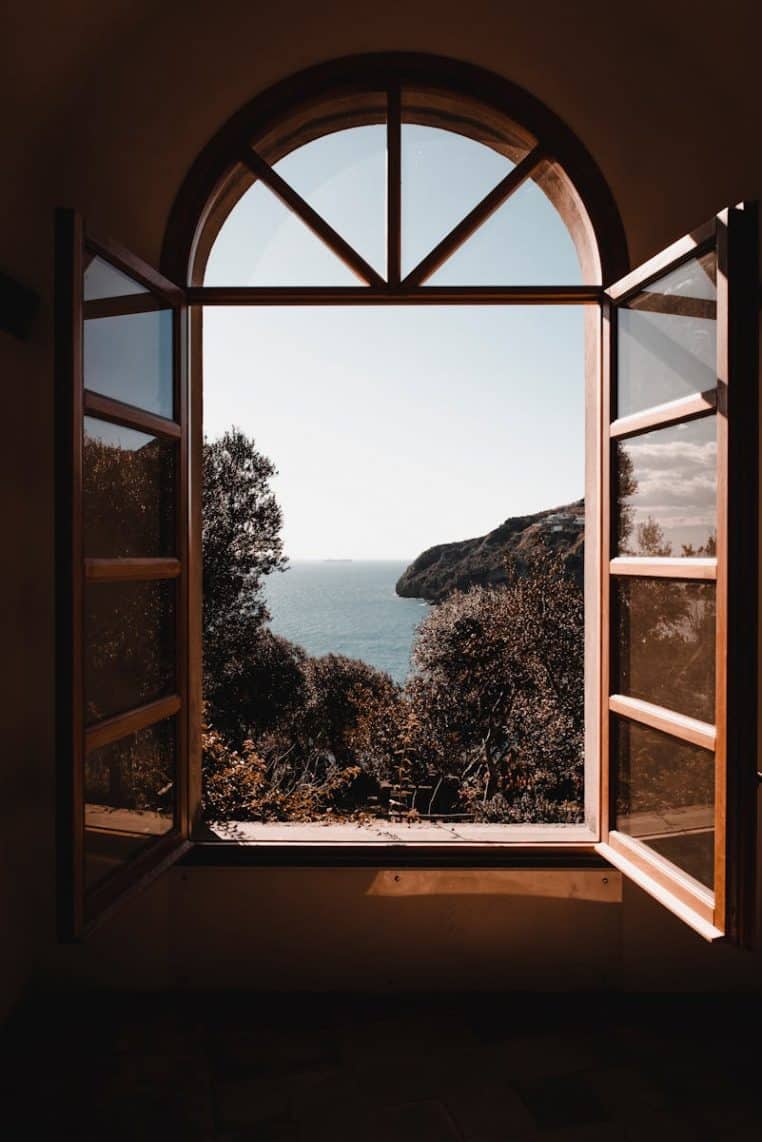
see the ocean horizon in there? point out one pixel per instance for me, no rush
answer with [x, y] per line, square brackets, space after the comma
[346, 606]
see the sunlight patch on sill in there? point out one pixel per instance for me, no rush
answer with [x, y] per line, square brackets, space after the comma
[557, 884]
[382, 832]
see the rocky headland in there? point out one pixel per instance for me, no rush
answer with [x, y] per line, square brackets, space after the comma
[449, 567]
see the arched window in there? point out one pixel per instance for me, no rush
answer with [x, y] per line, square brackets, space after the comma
[391, 183]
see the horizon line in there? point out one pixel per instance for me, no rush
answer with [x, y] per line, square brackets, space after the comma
[351, 558]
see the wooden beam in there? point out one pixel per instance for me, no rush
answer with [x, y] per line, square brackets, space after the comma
[394, 186]
[388, 295]
[475, 218]
[67, 578]
[669, 722]
[682, 896]
[118, 412]
[667, 568]
[134, 267]
[737, 870]
[314, 221]
[690, 246]
[122, 570]
[123, 306]
[122, 725]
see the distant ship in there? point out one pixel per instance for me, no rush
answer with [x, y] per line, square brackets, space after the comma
[337, 560]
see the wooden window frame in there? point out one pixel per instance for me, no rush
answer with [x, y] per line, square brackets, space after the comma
[79, 910]
[251, 151]
[728, 911]
[354, 92]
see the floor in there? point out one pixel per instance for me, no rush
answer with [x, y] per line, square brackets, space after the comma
[481, 1068]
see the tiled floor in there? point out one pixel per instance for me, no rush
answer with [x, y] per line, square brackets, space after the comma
[480, 1068]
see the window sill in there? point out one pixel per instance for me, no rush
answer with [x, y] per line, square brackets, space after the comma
[399, 845]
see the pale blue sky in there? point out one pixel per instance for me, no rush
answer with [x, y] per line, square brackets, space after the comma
[397, 428]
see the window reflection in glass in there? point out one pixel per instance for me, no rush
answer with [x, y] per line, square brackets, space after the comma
[130, 797]
[128, 493]
[130, 645]
[127, 340]
[667, 338]
[665, 643]
[665, 796]
[667, 491]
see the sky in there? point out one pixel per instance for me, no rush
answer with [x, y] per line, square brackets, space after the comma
[396, 428]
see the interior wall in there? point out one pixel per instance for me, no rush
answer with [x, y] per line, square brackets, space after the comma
[105, 107]
[357, 930]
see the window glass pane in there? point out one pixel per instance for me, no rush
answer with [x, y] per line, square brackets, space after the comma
[263, 243]
[444, 176]
[667, 491]
[127, 341]
[667, 338]
[343, 177]
[665, 796]
[130, 645]
[129, 797]
[102, 280]
[525, 242]
[128, 492]
[666, 634]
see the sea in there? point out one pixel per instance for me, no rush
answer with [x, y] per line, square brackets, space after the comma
[346, 607]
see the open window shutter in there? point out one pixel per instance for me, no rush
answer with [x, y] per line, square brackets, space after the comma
[679, 733]
[121, 574]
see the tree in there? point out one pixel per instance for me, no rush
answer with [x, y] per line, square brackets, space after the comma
[242, 522]
[651, 539]
[339, 689]
[303, 765]
[242, 544]
[495, 712]
[254, 680]
[626, 487]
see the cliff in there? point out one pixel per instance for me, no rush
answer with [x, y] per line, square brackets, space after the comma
[458, 566]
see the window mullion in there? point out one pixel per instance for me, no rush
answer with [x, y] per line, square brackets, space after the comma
[394, 186]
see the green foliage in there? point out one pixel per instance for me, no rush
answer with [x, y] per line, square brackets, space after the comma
[273, 780]
[252, 679]
[490, 726]
[339, 689]
[495, 713]
[241, 532]
[248, 673]
[128, 496]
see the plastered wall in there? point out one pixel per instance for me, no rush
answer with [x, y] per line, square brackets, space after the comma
[104, 108]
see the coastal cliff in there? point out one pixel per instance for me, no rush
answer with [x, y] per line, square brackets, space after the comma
[457, 566]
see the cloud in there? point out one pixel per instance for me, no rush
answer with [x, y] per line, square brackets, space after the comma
[674, 476]
[675, 488]
[672, 451]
